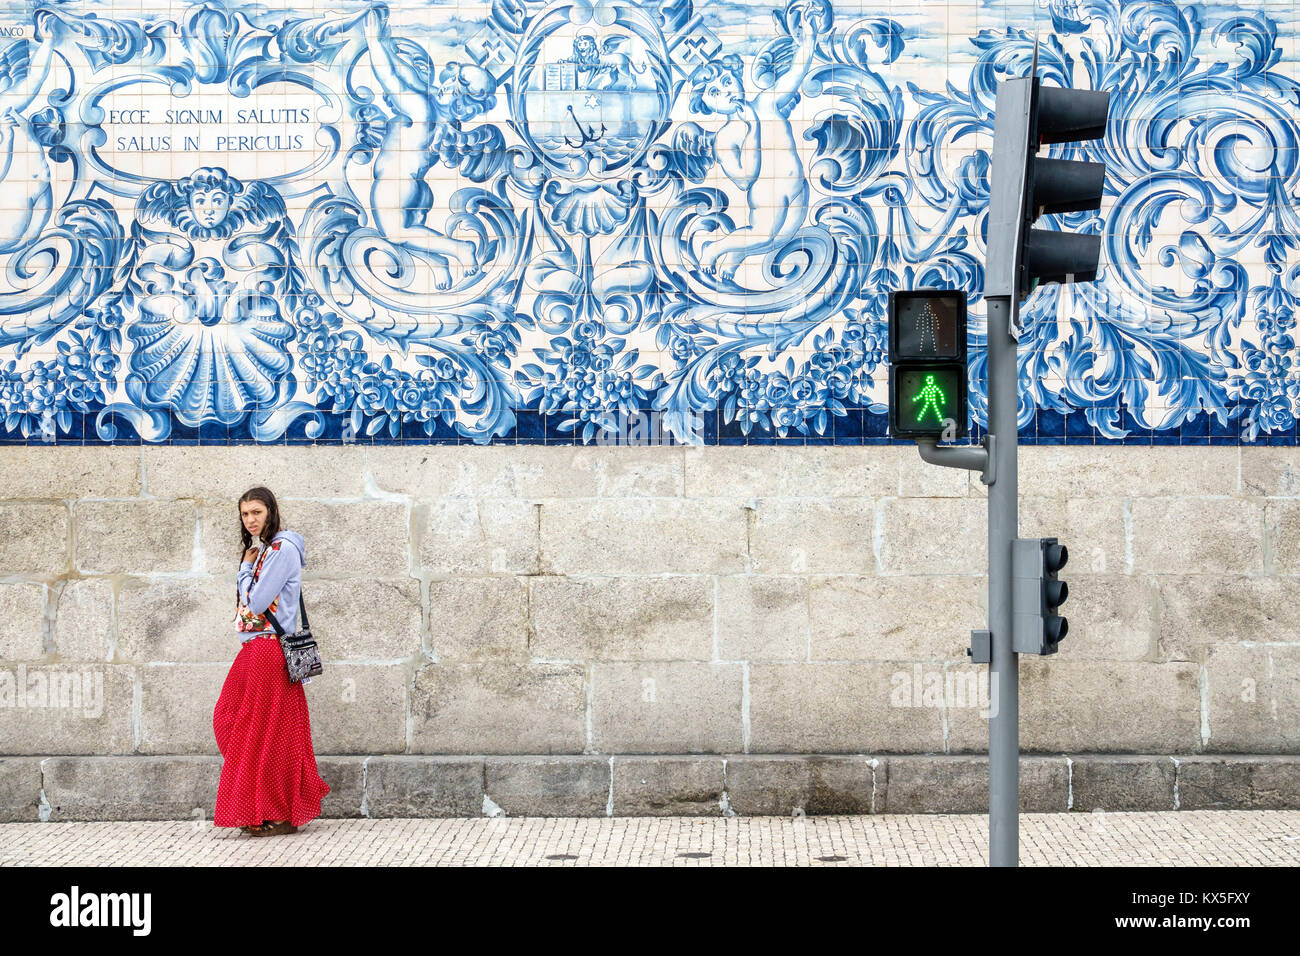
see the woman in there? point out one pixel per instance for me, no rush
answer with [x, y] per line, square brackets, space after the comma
[269, 782]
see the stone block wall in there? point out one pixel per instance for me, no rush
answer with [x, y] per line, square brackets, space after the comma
[704, 607]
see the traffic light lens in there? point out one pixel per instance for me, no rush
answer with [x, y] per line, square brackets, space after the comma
[928, 326]
[1055, 557]
[928, 396]
[1056, 592]
[1067, 115]
[1056, 628]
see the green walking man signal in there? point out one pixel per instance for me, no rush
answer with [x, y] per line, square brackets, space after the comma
[927, 364]
[929, 393]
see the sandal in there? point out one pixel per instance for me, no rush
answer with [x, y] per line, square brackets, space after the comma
[273, 828]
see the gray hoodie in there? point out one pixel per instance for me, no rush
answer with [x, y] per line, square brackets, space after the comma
[280, 577]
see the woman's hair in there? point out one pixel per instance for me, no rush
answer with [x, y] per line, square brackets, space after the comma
[272, 526]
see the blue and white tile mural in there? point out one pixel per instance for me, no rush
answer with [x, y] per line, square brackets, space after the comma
[525, 221]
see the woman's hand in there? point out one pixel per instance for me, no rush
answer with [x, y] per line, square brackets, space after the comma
[251, 554]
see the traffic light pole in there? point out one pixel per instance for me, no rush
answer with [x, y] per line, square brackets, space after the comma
[1007, 197]
[997, 461]
[1003, 528]
[1022, 187]
[1012, 132]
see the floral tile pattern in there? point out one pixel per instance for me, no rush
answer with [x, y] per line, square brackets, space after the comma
[576, 221]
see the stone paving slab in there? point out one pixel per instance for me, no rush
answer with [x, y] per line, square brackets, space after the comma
[1185, 838]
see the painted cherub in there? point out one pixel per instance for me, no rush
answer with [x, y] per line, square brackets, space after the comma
[426, 127]
[211, 276]
[757, 145]
[24, 172]
[206, 237]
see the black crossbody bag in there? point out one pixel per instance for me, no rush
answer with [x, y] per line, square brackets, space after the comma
[301, 655]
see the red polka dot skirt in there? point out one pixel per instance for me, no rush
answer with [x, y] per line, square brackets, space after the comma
[264, 734]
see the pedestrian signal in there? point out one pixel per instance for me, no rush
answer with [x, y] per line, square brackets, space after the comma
[927, 364]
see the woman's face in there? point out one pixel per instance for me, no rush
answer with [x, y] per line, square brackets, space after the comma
[253, 514]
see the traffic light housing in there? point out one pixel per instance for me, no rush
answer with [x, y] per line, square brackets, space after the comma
[927, 364]
[1026, 186]
[1037, 595]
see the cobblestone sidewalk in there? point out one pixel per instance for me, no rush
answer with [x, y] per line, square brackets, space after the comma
[1187, 838]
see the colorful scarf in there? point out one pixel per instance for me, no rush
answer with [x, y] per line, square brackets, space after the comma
[246, 620]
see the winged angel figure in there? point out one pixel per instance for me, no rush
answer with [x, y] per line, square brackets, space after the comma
[25, 172]
[426, 127]
[213, 262]
[755, 147]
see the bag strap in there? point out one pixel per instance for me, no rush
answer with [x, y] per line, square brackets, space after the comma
[302, 616]
[274, 623]
[257, 567]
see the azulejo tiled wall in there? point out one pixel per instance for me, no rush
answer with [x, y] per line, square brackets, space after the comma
[526, 221]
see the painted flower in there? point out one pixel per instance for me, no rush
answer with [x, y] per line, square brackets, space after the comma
[104, 365]
[802, 389]
[682, 347]
[311, 319]
[410, 396]
[778, 387]
[493, 345]
[577, 356]
[786, 417]
[1276, 413]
